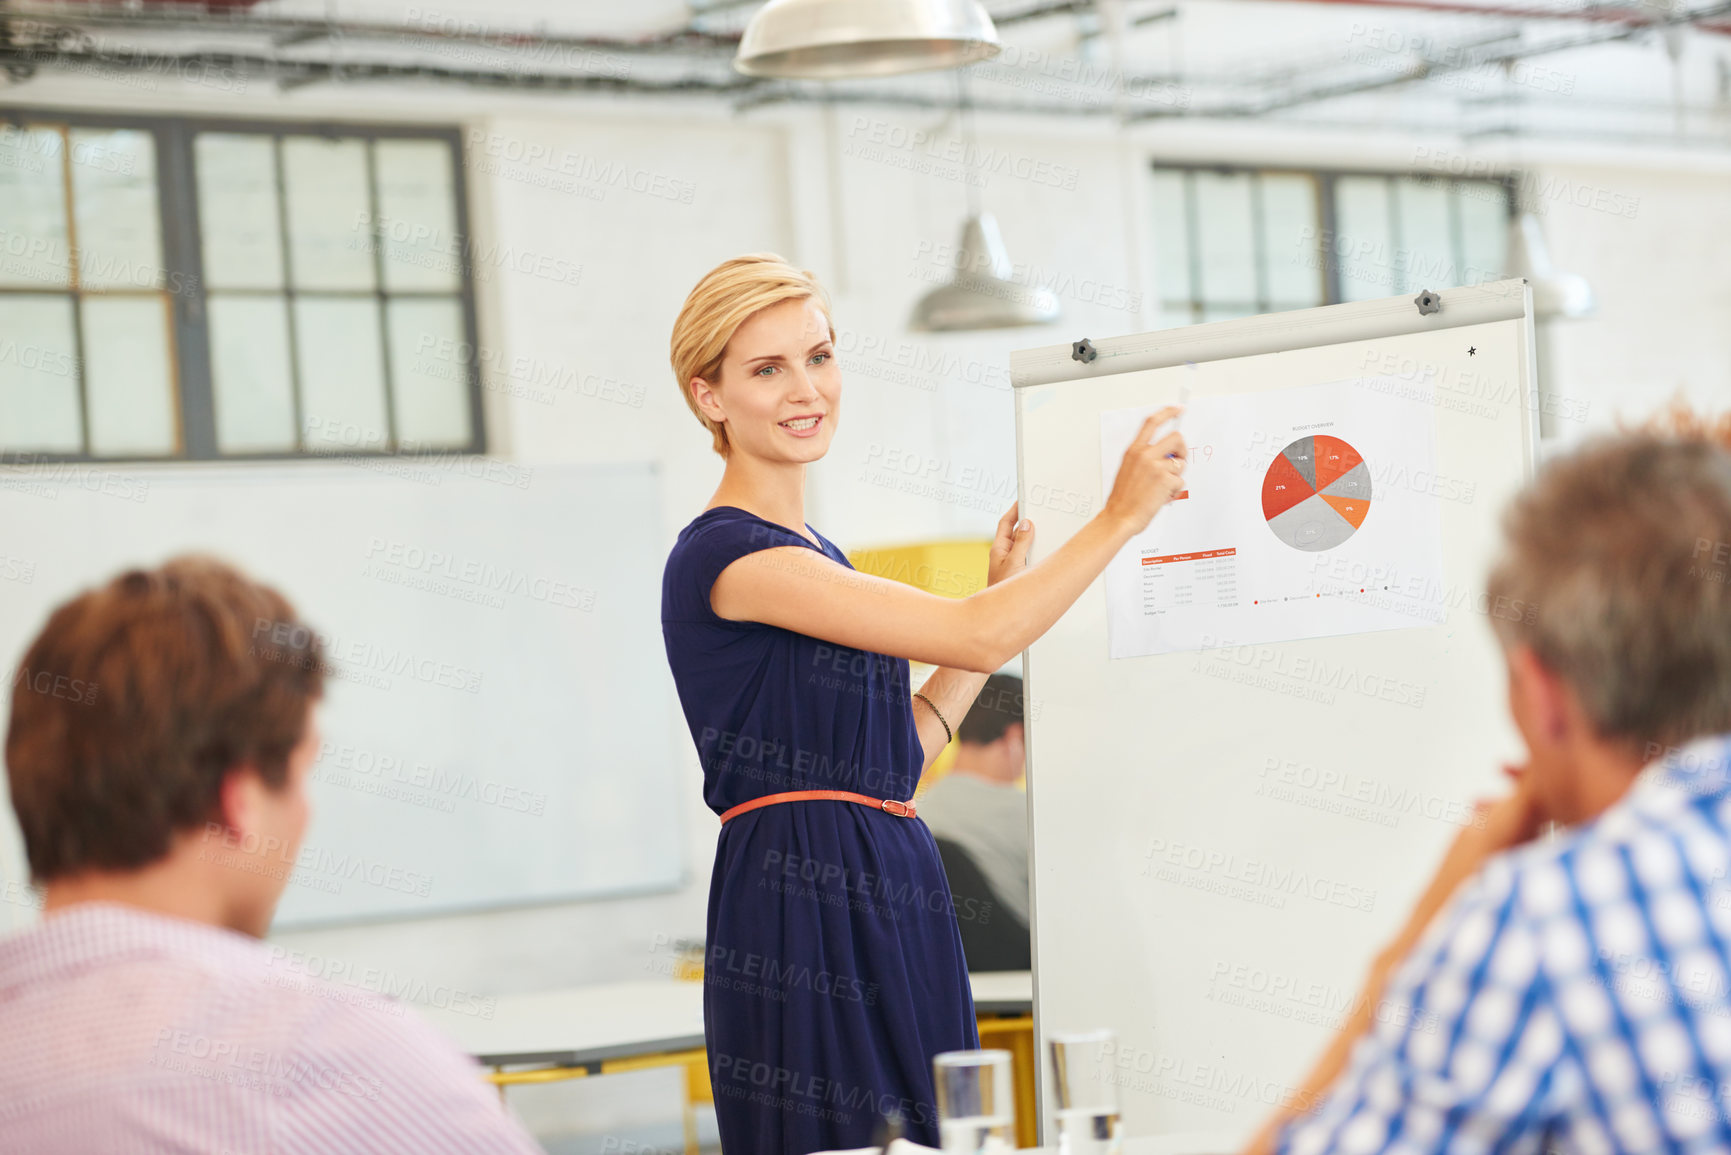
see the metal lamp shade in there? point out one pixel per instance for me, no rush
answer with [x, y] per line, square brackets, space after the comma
[982, 294]
[838, 39]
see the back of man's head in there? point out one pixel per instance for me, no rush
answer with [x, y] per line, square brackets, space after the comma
[135, 702]
[997, 707]
[1616, 575]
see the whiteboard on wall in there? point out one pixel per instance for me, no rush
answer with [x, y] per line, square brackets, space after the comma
[500, 729]
[1230, 816]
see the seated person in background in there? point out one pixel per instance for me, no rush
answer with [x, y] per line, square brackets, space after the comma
[160, 739]
[978, 805]
[1574, 992]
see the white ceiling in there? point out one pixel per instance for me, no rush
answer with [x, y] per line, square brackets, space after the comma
[1482, 68]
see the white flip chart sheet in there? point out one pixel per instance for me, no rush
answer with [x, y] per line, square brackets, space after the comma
[1308, 512]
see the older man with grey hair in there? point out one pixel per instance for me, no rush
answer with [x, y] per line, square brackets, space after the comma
[1575, 994]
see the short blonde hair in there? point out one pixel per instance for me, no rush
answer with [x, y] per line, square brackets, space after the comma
[727, 296]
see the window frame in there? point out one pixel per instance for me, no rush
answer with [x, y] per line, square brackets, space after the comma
[183, 262]
[1326, 223]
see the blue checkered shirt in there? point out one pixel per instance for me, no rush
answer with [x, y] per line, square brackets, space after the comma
[1574, 995]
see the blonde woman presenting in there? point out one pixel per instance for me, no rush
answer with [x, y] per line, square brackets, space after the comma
[834, 967]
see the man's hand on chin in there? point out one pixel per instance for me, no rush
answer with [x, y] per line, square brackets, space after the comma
[1497, 825]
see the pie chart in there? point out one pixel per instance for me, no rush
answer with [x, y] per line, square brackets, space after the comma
[1316, 493]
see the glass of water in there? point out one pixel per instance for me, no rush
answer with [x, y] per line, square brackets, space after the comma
[1087, 1114]
[976, 1103]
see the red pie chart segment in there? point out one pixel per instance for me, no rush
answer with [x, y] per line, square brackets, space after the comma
[1283, 487]
[1334, 457]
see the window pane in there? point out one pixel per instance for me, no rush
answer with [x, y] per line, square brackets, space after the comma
[249, 368]
[1484, 215]
[429, 392]
[1225, 238]
[38, 376]
[417, 224]
[114, 203]
[126, 376]
[33, 249]
[1362, 244]
[1226, 312]
[1171, 238]
[1422, 207]
[326, 185]
[237, 211]
[342, 374]
[1291, 256]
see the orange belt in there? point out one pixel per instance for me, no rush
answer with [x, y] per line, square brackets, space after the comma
[888, 805]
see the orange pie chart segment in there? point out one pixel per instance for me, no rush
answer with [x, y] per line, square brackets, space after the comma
[1334, 457]
[1283, 487]
[1351, 508]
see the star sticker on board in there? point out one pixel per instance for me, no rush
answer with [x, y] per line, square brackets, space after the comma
[1471, 350]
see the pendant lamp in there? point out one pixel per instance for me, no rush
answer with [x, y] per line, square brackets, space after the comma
[841, 39]
[982, 294]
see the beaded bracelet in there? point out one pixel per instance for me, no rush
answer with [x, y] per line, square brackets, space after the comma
[948, 734]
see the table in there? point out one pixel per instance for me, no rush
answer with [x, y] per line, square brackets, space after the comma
[582, 1027]
[1003, 992]
[608, 1028]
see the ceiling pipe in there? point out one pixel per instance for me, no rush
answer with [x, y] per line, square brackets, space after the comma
[1421, 71]
[1285, 73]
[21, 63]
[464, 30]
[691, 40]
[746, 92]
[1639, 16]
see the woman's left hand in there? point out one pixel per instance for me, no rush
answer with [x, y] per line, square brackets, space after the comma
[1009, 549]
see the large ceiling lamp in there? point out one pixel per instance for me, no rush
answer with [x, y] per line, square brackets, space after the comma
[841, 39]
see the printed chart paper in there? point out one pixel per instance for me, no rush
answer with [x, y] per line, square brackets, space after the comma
[1308, 512]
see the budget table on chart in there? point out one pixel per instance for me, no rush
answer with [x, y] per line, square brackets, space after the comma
[1175, 580]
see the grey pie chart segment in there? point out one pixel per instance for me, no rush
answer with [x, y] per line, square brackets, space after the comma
[1312, 524]
[1354, 483]
[1302, 454]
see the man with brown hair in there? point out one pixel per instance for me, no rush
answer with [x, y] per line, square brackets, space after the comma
[161, 735]
[1575, 994]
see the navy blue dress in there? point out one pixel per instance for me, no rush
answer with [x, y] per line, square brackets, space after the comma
[833, 970]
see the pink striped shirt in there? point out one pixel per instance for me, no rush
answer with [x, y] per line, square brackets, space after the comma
[123, 1030]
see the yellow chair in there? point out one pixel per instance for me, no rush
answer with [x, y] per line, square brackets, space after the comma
[954, 567]
[1015, 1034]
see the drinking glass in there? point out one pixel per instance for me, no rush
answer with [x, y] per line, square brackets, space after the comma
[1087, 1116]
[976, 1104]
